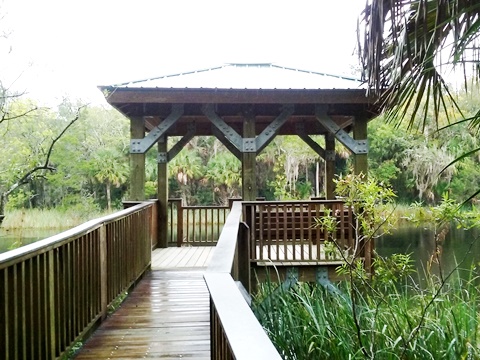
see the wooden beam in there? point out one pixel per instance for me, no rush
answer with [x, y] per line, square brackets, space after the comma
[119, 95]
[162, 196]
[301, 132]
[137, 161]
[230, 134]
[329, 166]
[249, 160]
[356, 146]
[182, 142]
[232, 148]
[272, 129]
[360, 134]
[142, 145]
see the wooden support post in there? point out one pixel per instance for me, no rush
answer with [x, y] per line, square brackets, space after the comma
[243, 251]
[360, 133]
[329, 166]
[162, 194]
[137, 161]
[103, 272]
[361, 167]
[249, 181]
[179, 222]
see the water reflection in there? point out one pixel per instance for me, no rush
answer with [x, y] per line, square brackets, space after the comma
[459, 247]
[19, 237]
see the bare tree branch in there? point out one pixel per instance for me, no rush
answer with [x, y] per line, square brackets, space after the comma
[31, 174]
[5, 116]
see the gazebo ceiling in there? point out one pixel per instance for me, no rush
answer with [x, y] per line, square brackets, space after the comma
[259, 89]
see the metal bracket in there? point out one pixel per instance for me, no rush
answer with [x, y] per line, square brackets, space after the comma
[229, 133]
[300, 130]
[249, 145]
[220, 136]
[292, 273]
[355, 146]
[269, 133]
[141, 146]
[321, 276]
[330, 155]
[162, 158]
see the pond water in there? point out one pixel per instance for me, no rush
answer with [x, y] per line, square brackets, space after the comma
[460, 247]
[15, 238]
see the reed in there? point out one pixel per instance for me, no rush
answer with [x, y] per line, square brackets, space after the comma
[45, 219]
[400, 322]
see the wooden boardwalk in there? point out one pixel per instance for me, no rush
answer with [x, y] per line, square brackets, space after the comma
[182, 257]
[166, 316]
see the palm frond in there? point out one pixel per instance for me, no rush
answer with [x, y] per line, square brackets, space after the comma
[403, 43]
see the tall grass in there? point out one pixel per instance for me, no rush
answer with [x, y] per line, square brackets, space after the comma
[46, 219]
[399, 321]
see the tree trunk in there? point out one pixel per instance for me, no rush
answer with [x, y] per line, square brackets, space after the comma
[3, 202]
[109, 198]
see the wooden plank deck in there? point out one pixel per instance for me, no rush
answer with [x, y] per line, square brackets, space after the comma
[182, 257]
[166, 316]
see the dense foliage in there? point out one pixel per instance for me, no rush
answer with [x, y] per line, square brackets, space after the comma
[385, 313]
[90, 161]
[395, 321]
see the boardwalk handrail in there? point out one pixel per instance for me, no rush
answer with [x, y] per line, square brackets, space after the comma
[195, 225]
[287, 231]
[235, 331]
[53, 292]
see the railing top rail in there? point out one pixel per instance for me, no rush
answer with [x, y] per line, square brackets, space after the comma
[246, 337]
[294, 202]
[57, 240]
[224, 253]
[201, 207]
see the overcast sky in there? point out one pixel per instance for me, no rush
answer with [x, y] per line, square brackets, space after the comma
[66, 47]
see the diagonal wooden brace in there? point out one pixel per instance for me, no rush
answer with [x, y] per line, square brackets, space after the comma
[141, 146]
[300, 130]
[228, 133]
[355, 146]
[269, 133]
[232, 148]
[191, 129]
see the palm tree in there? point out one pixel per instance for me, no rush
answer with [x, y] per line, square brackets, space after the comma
[408, 45]
[109, 170]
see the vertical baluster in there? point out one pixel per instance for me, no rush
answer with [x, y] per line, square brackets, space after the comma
[199, 226]
[180, 224]
[188, 211]
[319, 211]
[58, 307]
[206, 211]
[29, 314]
[302, 232]
[267, 209]
[22, 294]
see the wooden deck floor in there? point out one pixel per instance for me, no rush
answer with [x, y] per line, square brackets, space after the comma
[182, 257]
[166, 316]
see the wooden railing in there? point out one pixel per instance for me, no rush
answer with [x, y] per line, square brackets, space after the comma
[235, 331]
[53, 292]
[289, 232]
[195, 225]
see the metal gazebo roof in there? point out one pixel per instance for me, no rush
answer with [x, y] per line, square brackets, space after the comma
[263, 87]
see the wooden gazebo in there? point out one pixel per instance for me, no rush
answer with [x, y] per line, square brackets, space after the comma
[245, 106]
